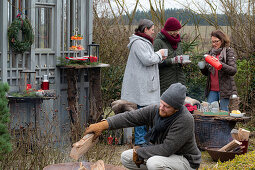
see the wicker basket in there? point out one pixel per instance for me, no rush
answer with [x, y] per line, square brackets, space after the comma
[212, 133]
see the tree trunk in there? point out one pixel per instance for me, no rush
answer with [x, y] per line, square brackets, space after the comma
[95, 97]
[73, 103]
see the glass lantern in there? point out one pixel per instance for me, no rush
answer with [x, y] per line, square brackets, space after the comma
[93, 52]
[27, 81]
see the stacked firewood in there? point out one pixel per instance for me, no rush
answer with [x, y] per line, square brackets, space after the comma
[240, 137]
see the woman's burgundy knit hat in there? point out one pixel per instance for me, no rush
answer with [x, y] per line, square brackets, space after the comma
[172, 24]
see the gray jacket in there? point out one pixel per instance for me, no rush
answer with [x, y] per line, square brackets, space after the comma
[179, 137]
[141, 78]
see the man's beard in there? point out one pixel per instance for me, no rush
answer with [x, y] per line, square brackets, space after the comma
[162, 113]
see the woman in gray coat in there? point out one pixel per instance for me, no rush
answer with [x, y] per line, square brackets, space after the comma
[141, 78]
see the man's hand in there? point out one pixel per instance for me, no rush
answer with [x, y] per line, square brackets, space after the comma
[136, 159]
[97, 129]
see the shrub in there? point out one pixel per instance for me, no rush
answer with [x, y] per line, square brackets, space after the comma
[245, 81]
[246, 161]
[5, 145]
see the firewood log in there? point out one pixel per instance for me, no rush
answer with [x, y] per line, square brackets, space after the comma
[230, 146]
[244, 134]
[82, 146]
[99, 165]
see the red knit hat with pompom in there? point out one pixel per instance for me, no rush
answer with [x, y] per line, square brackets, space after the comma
[172, 24]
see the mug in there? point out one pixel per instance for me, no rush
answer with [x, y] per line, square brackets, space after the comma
[165, 52]
[201, 64]
[185, 57]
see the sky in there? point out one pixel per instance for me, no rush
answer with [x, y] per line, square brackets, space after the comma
[145, 3]
[199, 6]
[178, 4]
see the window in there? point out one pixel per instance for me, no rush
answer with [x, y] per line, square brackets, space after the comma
[43, 27]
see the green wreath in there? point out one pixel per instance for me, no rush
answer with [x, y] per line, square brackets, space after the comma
[24, 25]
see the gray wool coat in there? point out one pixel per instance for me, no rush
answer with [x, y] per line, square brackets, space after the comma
[141, 78]
[178, 138]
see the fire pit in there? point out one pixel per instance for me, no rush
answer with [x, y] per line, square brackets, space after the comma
[222, 156]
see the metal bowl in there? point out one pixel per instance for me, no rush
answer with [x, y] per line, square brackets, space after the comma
[222, 156]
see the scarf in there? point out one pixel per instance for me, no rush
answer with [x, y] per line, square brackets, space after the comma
[214, 53]
[172, 40]
[161, 125]
[144, 36]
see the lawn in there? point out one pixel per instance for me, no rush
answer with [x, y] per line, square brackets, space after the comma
[111, 154]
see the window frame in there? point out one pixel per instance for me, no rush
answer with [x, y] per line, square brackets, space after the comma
[52, 26]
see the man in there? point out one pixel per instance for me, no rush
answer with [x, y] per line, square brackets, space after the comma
[171, 139]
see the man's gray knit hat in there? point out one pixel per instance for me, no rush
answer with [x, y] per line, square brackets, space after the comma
[175, 95]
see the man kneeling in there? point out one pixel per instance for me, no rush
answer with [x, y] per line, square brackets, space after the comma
[171, 139]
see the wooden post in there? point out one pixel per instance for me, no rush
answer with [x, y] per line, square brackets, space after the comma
[95, 95]
[4, 39]
[73, 103]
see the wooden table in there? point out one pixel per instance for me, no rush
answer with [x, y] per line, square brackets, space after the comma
[214, 131]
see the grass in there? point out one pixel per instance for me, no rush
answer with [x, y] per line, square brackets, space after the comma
[42, 152]
[33, 149]
[110, 154]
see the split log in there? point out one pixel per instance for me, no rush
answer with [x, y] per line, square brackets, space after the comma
[99, 165]
[230, 146]
[234, 134]
[82, 146]
[82, 167]
[243, 134]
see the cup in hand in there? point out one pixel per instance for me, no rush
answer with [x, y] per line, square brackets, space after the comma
[201, 64]
[165, 52]
[185, 57]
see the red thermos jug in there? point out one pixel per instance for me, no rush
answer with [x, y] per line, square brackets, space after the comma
[213, 61]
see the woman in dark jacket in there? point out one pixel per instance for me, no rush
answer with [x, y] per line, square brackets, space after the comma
[171, 70]
[220, 83]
